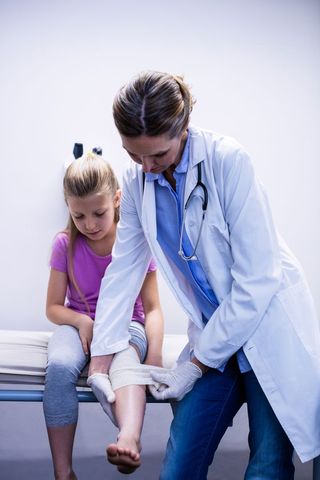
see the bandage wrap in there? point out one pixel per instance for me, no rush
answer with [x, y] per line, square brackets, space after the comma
[126, 369]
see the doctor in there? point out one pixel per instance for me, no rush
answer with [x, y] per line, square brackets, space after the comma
[192, 200]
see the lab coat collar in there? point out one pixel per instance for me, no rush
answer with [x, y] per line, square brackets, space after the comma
[197, 154]
[197, 147]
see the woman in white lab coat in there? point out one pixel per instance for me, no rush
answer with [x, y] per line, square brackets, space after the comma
[191, 199]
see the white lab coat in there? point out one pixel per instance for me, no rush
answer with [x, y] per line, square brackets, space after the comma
[265, 303]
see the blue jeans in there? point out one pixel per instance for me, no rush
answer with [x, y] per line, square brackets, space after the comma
[202, 417]
[270, 449]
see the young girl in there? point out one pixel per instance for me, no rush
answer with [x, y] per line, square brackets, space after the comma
[79, 258]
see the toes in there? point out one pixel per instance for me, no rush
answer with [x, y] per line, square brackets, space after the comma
[129, 453]
[125, 459]
[112, 450]
[134, 455]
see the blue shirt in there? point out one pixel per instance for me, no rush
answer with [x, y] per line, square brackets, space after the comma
[169, 213]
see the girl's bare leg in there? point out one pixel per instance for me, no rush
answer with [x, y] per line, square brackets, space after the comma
[61, 445]
[128, 409]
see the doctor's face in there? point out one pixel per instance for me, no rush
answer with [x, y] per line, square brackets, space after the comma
[156, 154]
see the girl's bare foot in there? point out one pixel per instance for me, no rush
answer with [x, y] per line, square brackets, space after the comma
[125, 454]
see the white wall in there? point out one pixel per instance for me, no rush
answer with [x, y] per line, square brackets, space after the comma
[254, 68]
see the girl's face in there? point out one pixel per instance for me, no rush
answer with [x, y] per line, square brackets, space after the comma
[93, 215]
[156, 154]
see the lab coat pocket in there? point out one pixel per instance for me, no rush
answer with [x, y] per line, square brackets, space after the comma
[297, 303]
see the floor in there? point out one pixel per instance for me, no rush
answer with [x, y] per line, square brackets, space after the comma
[24, 452]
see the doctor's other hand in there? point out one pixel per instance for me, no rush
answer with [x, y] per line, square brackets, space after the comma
[179, 381]
[101, 387]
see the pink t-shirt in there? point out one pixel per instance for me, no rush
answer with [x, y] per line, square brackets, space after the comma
[88, 268]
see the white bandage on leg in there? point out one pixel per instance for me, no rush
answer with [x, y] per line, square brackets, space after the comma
[126, 369]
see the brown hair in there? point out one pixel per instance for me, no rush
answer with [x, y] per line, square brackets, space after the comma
[153, 103]
[84, 176]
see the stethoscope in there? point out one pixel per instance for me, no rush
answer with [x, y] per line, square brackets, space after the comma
[201, 185]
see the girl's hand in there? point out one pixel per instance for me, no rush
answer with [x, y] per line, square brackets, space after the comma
[155, 360]
[85, 327]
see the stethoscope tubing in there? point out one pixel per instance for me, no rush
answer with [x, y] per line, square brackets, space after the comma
[199, 183]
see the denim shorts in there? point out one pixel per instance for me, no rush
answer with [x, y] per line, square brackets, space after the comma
[139, 339]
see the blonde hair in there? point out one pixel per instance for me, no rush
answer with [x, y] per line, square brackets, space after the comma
[87, 175]
[153, 103]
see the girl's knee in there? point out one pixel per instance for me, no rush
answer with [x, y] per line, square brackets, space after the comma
[61, 372]
[137, 349]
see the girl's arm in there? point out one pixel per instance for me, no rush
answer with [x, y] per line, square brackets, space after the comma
[153, 319]
[61, 315]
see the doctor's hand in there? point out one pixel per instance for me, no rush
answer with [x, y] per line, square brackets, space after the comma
[101, 387]
[179, 381]
[99, 381]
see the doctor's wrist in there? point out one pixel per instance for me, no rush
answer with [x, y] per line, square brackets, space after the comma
[204, 368]
[100, 364]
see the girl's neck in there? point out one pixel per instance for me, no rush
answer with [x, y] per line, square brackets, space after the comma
[104, 246]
